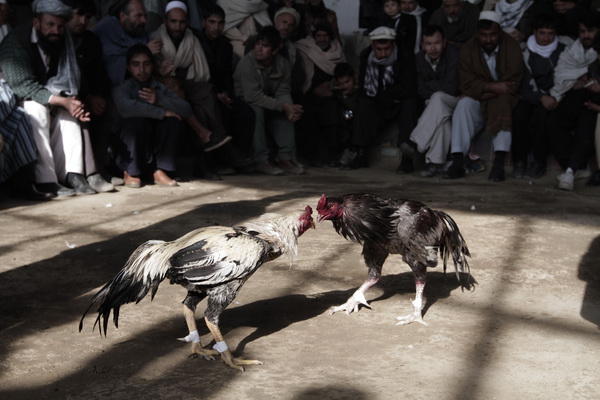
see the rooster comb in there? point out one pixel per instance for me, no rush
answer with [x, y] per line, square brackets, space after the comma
[322, 202]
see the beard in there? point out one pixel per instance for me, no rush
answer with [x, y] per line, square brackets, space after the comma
[135, 31]
[53, 48]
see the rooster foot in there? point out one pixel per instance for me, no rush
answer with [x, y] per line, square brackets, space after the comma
[351, 305]
[198, 351]
[237, 363]
[414, 317]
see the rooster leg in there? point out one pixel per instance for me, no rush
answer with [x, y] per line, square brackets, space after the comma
[226, 355]
[416, 316]
[194, 337]
[356, 299]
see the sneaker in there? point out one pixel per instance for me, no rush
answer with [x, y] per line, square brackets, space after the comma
[474, 166]
[580, 174]
[347, 156]
[567, 180]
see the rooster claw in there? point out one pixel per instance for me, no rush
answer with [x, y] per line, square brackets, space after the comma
[407, 319]
[198, 351]
[352, 305]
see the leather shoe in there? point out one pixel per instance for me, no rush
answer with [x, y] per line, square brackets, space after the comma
[79, 183]
[497, 174]
[406, 166]
[267, 168]
[98, 183]
[28, 191]
[162, 179]
[131, 181]
[454, 171]
[55, 188]
[290, 167]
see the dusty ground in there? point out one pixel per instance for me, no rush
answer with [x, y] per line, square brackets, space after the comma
[530, 329]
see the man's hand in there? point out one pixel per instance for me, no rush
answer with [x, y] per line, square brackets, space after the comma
[503, 87]
[225, 99]
[549, 102]
[155, 46]
[593, 86]
[73, 105]
[592, 106]
[165, 68]
[293, 112]
[96, 104]
[149, 94]
[171, 114]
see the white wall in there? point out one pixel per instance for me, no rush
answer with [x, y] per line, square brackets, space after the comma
[347, 14]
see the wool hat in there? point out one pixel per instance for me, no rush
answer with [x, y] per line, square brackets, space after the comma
[382, 33]
[288, 10]
[493, 16]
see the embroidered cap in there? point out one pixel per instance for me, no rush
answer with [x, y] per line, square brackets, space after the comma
[176, 4]
[382, 33]
[288, 10]
[493, 16]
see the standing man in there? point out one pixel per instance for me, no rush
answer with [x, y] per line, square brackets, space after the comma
[39, 64]
[437, 69]
[458, 19]
[152, 122]
[263, 80]
[489, 81]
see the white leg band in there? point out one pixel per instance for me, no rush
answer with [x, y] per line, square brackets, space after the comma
[221, 347]
[193, 337]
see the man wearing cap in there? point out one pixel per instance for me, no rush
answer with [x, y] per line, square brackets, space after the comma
[489, 80]
[388, 91]
[458, 19]
[182, 62]
[320, 54]
[124, 27]
[39, 63]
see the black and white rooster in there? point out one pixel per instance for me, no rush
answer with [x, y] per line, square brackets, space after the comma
[387, 226]
[211, 262]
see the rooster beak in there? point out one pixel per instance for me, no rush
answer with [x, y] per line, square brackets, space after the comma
[312, 224]
[320, 217]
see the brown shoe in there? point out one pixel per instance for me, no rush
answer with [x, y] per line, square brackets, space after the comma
[162, 179]
[267, 168]
[291, 168]
[131, 181]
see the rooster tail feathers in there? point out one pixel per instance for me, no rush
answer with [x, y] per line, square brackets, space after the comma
[144, 271]
[453, 244]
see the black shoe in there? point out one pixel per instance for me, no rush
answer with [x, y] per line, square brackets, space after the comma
[28, 191]
[536, 170]
[79, 183]
[497, 174]
[55, 188]
[432, 170]
[594, 179]
[408, 149]
[518, 171]
[360, 161]
[406, 166]
[454, 171]
[202, 171]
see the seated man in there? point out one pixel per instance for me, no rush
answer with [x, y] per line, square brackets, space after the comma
[571, 125]
[458, 19]
[489, 80]
[529, 133]
[320, 54]
[388, 93]
[183, 64]
[263, 80]
[38, 60]
[151, 125]
[437, 69]
[124, 27]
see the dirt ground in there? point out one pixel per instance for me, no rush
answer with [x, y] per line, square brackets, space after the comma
[529, 330]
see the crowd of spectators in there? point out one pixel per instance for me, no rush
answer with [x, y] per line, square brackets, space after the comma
[96, 94]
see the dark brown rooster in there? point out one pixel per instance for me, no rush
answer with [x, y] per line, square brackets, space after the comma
[387, 226]
[211, 262]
